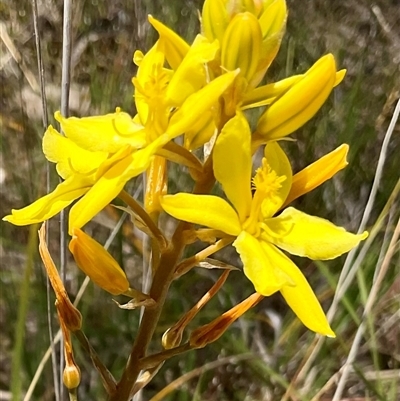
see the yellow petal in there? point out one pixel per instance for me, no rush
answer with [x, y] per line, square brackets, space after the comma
[97, 263]
[233, 163]
[106, 133]
[51, 204]
[206, 210]
[278, 161]
[191, 73]
[111, 182]
[200, 132]
[214, 19]
[339, 77]
[317, 173]
[151, 79]
[70, 158]
[241, 46]
[266, 94]
[199, 103]
[260, 267]
[175, 47]
[300, 296]
[303, 235]
[300, 102]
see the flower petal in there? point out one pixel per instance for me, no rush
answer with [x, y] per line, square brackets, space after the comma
[266, 94]
[111, 179]
[207, 210]
[70, 158]
[107, 187]
[278, 161]
[199, 103]
[300, 296]
[260, 267]
[303, 235]
[51, 204]
[317, 173]
[105, 133]
[233, 163]
[191, 73]
[175, 47]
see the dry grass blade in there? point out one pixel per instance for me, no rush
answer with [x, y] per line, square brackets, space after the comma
[344, 282]
[370, 302]
[197, 372]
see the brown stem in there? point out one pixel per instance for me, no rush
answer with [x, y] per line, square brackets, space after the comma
[153, 360]
[159, 289]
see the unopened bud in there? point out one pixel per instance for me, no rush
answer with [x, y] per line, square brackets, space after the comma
[241, 46]
[71, 376]
[70, 315]
[210, 332]
[300, 103]
[97, 263]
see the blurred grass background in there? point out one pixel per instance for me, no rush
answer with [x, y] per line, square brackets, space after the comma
[260, 356]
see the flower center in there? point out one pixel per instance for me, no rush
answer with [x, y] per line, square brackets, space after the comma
[267, 185]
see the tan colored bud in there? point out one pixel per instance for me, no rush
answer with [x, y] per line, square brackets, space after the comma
[97, 263]
[210, 332]
[68, 313]
[173, 336]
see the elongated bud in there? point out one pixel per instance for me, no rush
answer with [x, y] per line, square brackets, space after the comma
[97, 263]
[215, 19]
[241, 46]
[210, 332]
[300, 103]
[71, 316]
[273, 23]
[173, 336]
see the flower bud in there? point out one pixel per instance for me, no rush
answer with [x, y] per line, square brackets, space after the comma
[241, 46]
[70, 315]
[71, 376]
[300, 103]
[97, 263]
[215, 19]
[210, 332]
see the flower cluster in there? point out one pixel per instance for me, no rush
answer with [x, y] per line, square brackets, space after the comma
[191, 100]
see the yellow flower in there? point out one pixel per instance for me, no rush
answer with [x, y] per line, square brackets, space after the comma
[97, 263]
[181, 99]
[260, 235]
[100, 154]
